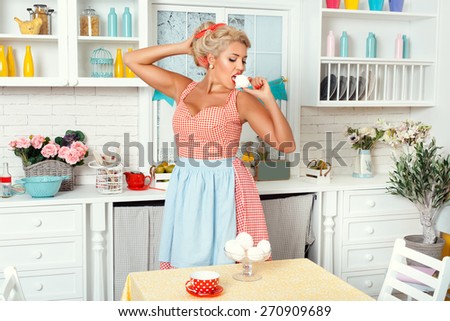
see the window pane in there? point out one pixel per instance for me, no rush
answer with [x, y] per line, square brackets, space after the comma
[268, 36]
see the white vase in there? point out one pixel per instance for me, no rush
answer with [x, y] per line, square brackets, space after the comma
[363, 164]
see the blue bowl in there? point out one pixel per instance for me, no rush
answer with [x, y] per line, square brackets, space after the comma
[42, 186]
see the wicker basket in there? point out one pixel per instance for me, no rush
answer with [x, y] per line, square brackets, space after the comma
[53, 168]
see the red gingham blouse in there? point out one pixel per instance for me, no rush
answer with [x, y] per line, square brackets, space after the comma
[214, 133]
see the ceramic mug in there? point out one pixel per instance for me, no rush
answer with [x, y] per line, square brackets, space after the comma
[204, 282]
[351, 4]
[396, 5]
[376, 5]
[333, 4]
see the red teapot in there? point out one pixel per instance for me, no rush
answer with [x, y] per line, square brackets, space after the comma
[137, 180]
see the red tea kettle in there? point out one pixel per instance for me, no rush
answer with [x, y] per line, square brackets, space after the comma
[137, 180]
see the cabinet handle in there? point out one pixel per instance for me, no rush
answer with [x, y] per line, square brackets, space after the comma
[369, 257]
[368, 284]
[370, 230]
[38, 286]
[37, 222]
[37, 255]
[371, 203]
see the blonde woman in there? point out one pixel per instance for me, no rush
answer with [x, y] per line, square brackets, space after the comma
[211, 195]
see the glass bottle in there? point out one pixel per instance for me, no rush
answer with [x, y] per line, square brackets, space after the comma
[398, 54]
[371, 46]
[11, 62]
[405, 47]
[41, 11]
[89, 23]
[128, 72]
[118, 65]
[112, 23]
[28, 64]
[5, 181]
[344, 44]
[331, 45]
[126, 23]
[3, 63]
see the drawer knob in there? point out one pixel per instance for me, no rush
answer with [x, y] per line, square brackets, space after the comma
[371, 203]
[37, 222]
[368, 284]
[38, 286]
[37, 255]
[370, 230]
[369, 257]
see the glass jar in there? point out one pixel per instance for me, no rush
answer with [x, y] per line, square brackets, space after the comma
[41, 11]
[89, 23]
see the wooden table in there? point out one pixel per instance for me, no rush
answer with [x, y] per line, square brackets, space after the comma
[297, 279]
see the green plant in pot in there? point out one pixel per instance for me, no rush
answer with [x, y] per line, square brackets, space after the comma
[423, 177]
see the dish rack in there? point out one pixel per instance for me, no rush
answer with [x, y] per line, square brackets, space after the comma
[375, 81]
[109, 179]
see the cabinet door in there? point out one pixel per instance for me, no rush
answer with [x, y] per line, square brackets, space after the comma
[267, 57]
[49, 51]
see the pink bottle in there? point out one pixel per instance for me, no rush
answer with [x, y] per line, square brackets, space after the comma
[331, 44]
[399, 47]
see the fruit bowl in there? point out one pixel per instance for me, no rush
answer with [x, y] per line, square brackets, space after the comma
[247, 260]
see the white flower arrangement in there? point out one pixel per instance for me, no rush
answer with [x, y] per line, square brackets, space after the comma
[405, 133]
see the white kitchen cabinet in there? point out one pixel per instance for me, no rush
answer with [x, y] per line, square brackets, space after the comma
[50, 52]
[46, 245]
[380, 81]
[367, 224]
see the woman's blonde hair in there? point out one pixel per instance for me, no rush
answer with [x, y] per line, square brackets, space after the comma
[215, 41]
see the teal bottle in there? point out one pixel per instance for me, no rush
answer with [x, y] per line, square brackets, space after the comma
[126, 23]
[112, 23]
[405, 47]
[371, 46]
[344, 44]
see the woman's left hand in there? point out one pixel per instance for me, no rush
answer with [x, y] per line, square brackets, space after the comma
[261, 88]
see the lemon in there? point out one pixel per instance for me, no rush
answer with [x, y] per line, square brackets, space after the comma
[169, 169]
[159, 169]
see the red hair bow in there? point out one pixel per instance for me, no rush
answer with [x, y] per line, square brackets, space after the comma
[211, 27]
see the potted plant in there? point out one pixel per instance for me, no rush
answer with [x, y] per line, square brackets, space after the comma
[423, 177]
[42, 156]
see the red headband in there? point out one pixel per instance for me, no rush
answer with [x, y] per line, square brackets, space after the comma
[211, 27]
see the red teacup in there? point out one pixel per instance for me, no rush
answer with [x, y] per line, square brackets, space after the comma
[204, 282]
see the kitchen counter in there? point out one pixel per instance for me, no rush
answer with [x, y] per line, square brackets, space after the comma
[88, 193]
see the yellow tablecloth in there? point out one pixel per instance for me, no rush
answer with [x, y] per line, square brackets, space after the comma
[287, 280]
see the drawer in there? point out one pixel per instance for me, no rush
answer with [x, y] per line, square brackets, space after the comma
[375, 202]
[42, 253]
[368, 282]
[63, 284]
[357, 258]
[379, 229]
[40, 221]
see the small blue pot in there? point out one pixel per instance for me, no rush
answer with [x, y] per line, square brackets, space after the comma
[396, 5]
[376, 5]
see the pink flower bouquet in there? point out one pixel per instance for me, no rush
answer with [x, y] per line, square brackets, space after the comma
[70, 148]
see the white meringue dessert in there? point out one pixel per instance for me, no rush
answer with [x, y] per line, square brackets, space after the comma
[241, 81]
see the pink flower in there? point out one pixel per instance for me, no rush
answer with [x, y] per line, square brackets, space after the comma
[63, 151]
[80, 148]
[23, 142]
[50, 150]
[12, 144]
[72, 156]
[37, 140]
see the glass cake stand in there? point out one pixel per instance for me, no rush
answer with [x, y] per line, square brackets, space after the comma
[247, 274]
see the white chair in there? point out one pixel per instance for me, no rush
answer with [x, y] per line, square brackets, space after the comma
[435, 287]
[11, 290]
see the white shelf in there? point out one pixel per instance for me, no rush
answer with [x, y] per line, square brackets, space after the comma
[33, 81]
[87, 39]
[110, 82]
[29, 38]
[375, 61]
[375, 15]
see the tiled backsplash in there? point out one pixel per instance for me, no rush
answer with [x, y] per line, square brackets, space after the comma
[106, 114]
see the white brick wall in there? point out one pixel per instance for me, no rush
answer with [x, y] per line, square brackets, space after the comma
[316, 122]
[103, 114]
[106, 114]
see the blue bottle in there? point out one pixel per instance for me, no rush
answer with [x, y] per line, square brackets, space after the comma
[405, 47]
[112, 23]
[126, 23]
[371, 46]
[344, 44]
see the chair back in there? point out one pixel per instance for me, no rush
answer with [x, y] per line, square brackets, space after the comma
[11, 290]
[399, 270]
